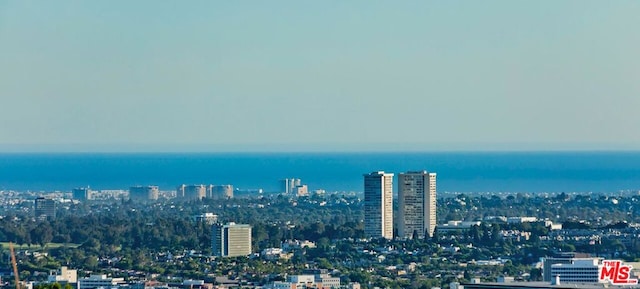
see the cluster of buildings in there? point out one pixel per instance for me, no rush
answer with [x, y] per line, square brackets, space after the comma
[415, 217]
[569, 270]
[87, 194]
[153, 193]
[193, 192]
[416, 213]
[315, 278]
[295, 187]
[286, 249]
[310, 278]
[65, 276]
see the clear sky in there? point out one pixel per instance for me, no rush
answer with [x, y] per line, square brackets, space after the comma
[319, 75]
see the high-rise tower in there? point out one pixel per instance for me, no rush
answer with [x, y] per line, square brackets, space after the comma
[45, 208]
[416, 204]
[378, 205]
[231, 240]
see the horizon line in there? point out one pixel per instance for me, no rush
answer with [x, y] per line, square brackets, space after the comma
[315, 148]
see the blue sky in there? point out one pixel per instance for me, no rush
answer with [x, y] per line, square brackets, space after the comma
[323, 75]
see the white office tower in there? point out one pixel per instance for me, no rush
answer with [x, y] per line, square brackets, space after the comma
[231, 240]
[416, 204]
[378, 205]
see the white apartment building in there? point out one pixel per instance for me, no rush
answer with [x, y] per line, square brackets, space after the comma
[416, 204]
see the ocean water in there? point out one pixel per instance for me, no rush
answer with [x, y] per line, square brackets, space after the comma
[457, 171]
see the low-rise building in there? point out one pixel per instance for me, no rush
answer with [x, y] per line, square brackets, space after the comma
[207, 218]
[63, 275]
[301, 191]
[291, 245]
[456, 226]
[98, 281]
[518, 220]
[579, 270]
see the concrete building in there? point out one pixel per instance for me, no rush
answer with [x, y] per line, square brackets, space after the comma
[526, 285]
[231, 240]
[580, 270]
[452, 226]
[191, 192]
[63, 276]
[144, 193]
[301, 191]
[322, 278]
[378, 205]
[519, 220]
[291, 245]
[45, 208]
[82, 194]
[311, 280]
[99, 281]
[416, 204]
[220, 192]
[288, 185]
[565, 258]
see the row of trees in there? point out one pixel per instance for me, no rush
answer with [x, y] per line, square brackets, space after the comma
[101, 230]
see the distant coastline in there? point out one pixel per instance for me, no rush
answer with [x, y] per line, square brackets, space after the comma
[458, 171]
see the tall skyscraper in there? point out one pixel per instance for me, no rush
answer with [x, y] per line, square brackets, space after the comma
[378, 205]
[231, 240]
[416, 204]
[144, 193]
[45, 208]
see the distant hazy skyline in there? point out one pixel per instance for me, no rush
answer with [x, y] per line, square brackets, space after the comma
[320, 75]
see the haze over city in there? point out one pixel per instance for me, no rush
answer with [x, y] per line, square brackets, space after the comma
[325, 145]
[330, 75]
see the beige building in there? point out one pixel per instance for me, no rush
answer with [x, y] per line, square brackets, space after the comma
[231, 240]
[220, 191]
[191, 192]
[301, 191]
[378, 205]
[63, 275]
[144, 193]
[416, 204]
